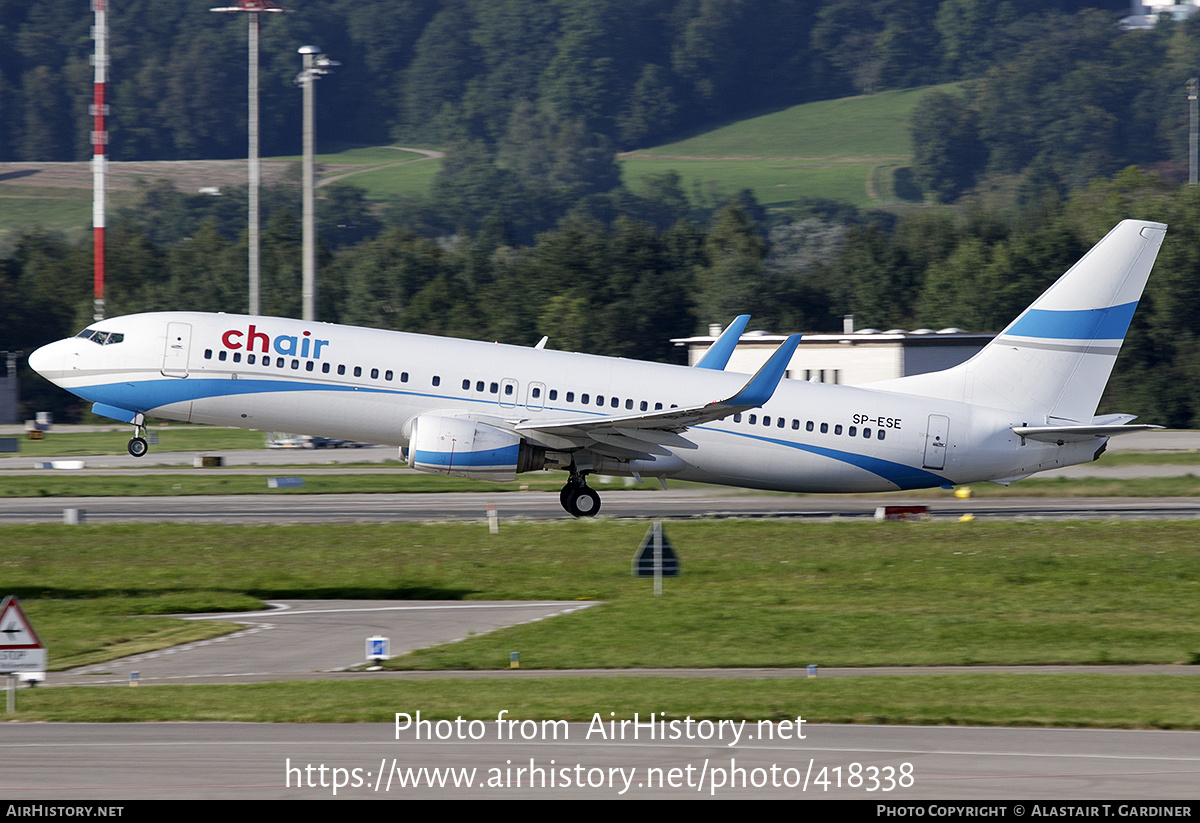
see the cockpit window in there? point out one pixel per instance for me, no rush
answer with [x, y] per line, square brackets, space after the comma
[101, 338]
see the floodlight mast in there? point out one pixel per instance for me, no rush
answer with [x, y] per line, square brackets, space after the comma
[315, 65]
[254, 8]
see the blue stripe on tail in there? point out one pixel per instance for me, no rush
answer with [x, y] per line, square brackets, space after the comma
[1086, 324]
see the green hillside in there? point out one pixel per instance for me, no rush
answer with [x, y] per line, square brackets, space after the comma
[849, 149]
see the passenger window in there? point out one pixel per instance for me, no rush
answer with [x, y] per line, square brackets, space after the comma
[207, 352]
[494, 388]
[466, 385]
[599, 400]
[753, 419]
[570, 397]
[341, 369]
[479, 385]
[766, 420]
[403, 377]
[879, 435]
[324, 366]
[824, 428]
[737, 418]
[837, 429]
[808, 426]
[554, 394]
[779, 423]
[374, 374]
[221, 355]
[237, 357]
[584, 398]
[658, 406]
[508, 389]
[308, 364]
[537, 392]
[796, 425]
[295, 365]
[437, 381]
[250, 359]
[387, 375]
[644, 405]
[867, 433]
[358, 371]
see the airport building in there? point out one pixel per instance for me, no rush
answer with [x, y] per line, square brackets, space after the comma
[852, 357]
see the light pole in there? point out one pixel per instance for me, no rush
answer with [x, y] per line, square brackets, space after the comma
[254, 8]
[1191, 92]
[315, 66]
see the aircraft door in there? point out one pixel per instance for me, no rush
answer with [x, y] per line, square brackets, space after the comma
[536, 399]
[508, 393]
[936, 441]
[175, 356]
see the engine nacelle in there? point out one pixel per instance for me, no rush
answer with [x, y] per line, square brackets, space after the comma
[465, 448]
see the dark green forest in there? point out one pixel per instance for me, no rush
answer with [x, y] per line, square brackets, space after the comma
[1064, 125]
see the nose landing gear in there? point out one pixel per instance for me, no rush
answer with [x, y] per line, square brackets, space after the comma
[137, 445]
[577, 498]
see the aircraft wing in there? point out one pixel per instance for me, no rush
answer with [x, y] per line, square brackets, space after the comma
[648, 432]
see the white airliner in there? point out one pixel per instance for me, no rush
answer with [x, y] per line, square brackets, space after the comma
[1024, 404]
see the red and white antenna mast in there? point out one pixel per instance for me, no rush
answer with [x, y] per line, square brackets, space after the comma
[99, 161]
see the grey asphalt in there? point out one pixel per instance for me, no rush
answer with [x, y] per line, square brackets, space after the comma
[301, 639]
[677, 504]
[1043, 768]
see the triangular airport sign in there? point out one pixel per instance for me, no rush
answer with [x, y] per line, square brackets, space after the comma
[16, 632]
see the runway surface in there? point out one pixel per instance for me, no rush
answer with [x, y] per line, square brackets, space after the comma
[397, 508]
[118, 761]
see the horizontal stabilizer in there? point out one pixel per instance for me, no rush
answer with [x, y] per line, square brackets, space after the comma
[1076, 434]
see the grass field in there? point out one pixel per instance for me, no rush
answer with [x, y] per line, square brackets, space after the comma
[848, 149]
[1081, 700]
[69, 443]
[752, 594]
[854, 150]
[55, 209]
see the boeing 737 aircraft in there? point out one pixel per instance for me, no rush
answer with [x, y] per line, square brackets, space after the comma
[1024, 404]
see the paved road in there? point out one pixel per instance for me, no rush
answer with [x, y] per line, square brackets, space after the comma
[116, 761]
[302, 639]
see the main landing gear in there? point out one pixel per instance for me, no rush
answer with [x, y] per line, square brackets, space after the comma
[137, 444]
[577, 498]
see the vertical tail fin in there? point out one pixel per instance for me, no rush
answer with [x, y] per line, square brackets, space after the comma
[1054, 360]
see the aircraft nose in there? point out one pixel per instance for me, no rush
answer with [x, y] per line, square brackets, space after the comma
[48, 360]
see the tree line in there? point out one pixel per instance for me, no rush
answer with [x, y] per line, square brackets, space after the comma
[624, 272]
[625, 73]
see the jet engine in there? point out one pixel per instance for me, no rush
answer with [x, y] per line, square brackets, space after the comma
[466, 448]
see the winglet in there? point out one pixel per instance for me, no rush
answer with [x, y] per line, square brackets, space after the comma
[718, 354]
[763, 384]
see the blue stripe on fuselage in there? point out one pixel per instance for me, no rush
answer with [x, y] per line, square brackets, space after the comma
[904, 477]
[147, 395]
